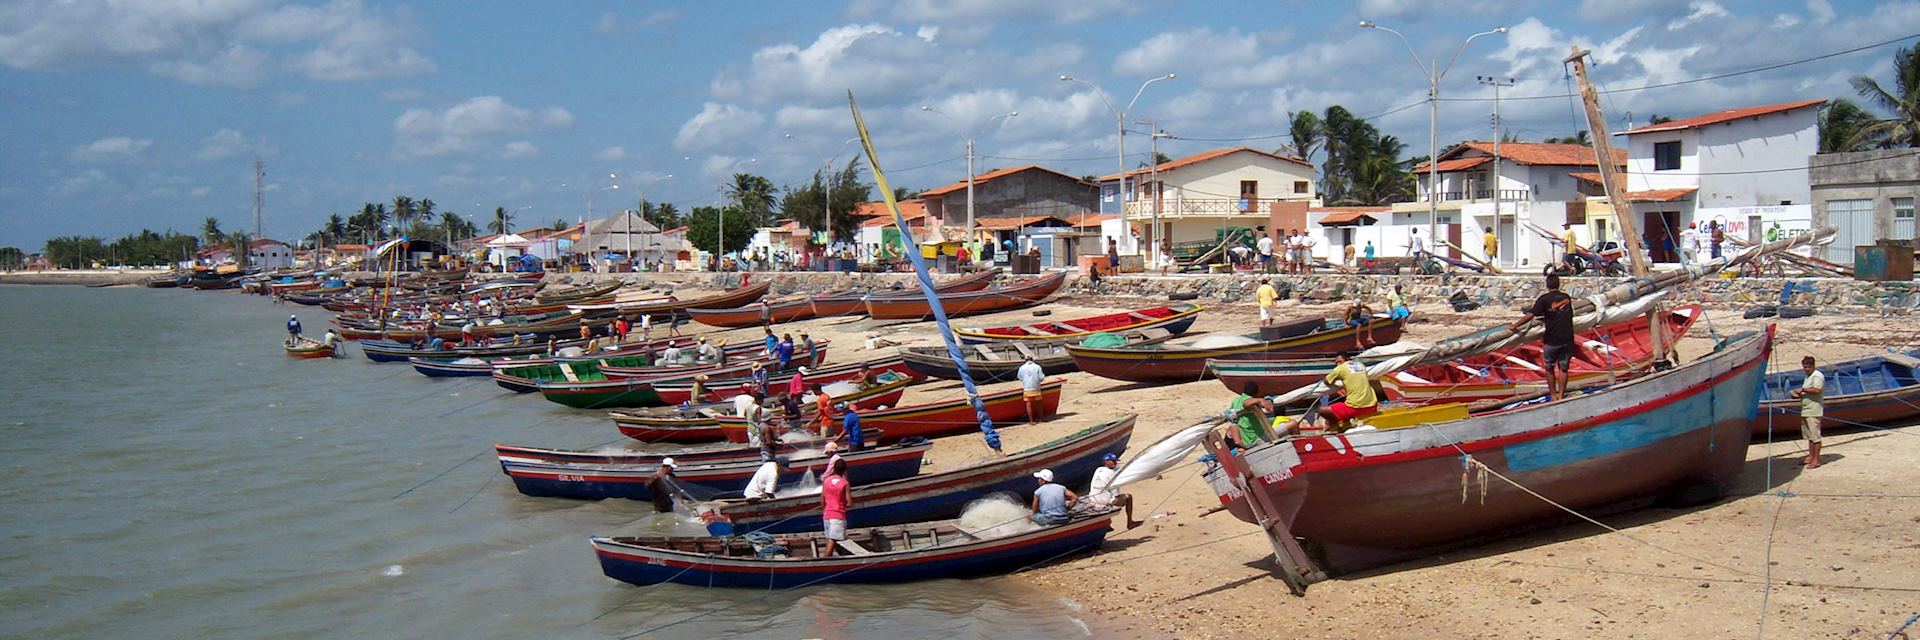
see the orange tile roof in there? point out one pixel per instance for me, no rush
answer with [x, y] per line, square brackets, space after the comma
[1660, 195]
[1728, 115]
[876, 213]
[1534, 153]
[984, 177]
[1090, 219]
[1456, 164]
[1004, 224]
[1205, 156]
[1589, 177]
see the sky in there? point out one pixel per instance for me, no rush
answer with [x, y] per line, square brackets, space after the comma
[121, 115]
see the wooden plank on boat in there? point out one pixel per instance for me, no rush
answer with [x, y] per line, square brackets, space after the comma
[853, 547]
[566, 369]
[1142, 317]
[986, 353]
[1022, 348]
[1902, 359]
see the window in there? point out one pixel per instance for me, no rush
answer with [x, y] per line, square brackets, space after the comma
[1903, 218]
[1299, 186]
[1553, 179]
[1666, 156]
[1852, 220]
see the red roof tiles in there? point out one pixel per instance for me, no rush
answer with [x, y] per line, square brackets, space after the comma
[1205, 156]
[1728, 115]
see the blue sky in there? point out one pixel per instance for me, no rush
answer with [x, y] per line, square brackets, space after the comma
[116, 116]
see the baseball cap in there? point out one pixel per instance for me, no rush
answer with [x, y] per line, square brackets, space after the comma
[666, 462]
[1111, 457]
[1045, 475]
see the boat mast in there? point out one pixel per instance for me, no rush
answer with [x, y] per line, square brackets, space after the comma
[1613, 180]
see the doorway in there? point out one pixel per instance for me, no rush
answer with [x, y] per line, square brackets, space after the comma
[1852, 222]
[1658, 229]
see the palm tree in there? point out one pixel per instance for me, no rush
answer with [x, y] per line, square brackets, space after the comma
[1903, 129]
[502, 220]
[452, 224]
[210, 229]
[335, 229]
[1843, 127]
[1582, 138]
[240, 244]
[424, 209]
[752, 193]
[403, 211]
[1307, 135]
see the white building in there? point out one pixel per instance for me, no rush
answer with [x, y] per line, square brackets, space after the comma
[625, 233]
[1744, 168]
[1199, 194]
[269, 254]
[1528, 182]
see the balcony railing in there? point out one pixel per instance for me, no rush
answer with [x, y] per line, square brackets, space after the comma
[1482, 194]
[1202, 207]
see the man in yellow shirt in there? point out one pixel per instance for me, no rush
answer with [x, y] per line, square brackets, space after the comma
[1570, 244]
[1360, 400]
[1267, 296]
[1491, 243]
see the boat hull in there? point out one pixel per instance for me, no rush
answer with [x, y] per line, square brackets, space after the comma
[1174, 319]
[598, 481]
[707, 429]
[1169, 364]
[1876, 390]
[1014, 296]
[937, 419]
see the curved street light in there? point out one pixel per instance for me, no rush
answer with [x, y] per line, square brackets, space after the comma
[1120, 138]
[1434, 73]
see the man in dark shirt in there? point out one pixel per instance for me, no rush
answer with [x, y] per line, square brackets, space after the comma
[1555, 310]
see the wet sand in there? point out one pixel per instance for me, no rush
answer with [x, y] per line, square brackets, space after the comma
[1191, 574]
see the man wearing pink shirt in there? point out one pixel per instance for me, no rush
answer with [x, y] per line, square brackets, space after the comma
[835, 495]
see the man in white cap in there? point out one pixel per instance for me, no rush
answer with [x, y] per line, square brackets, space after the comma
[1101, 494]
[293, 329]
[1051, 501]
[660, 486]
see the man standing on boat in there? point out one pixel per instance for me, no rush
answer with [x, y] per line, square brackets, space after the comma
[661, 487]
[1555, 310]
[1812, 395]
[293, 329]
[836, 495]
[1031, 376]
[856, 439]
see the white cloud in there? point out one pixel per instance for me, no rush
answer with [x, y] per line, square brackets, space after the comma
[519, 149]
[223, 144]
[717, 123]
[986, 11]
[611, 24]
[1621, 10]
[611, 154]
[462, 127]
[200, 192]
[1822, 11]
[108, 149]
[1440, 10]
[872, 60]
[213, 42]
[1193, 48]
[89, 181]
[1698, 11]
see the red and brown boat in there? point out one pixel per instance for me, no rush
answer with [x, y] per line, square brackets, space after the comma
[944, 418]
[669, 306]
[1602, 355]
[1016, 295]
[853, 303]
[763, 313]
[1167, 363]
[1175, 319]
[705, 427]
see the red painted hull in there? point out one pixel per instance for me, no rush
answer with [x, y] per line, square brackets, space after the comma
[1014, 296]
[937, 419]
[694, 431]
[1168, 364]
[755, 315]
[721, 389]
[1136, 320]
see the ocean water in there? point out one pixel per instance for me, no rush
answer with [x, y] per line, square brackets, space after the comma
[167, 472]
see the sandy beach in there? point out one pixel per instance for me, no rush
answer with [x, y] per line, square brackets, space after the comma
[1842, 553]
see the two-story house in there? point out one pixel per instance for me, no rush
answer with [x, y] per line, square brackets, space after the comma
[1744, 168]
[1501, 186]
[1197, 195]
[1019, 192]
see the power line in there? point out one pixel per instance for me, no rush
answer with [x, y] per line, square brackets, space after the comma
[1271, 136]
[1722, 76]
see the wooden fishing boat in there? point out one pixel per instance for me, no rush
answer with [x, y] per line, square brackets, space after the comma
[1016, 295]
[724, 454]
[1175, 319]
[1166, 363]
[604, 392]
[1602, 355]
[1073, 458]
[944, 418]
[577, 293]
[386, 351]
[525, 376]
[308, 348]
[458, 368]
[692, 427]
[722, 384]
[593, 481]
[753, 315]
[1876, 390]
[853, 302]
[1363, 498]
[671, 307]
[924, 551]
[1000, 361]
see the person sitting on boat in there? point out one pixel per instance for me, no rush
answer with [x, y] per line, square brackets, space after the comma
[1248, 411]
[1358, 315]
[585, 331]
[773, 341]
[836, 494]
[1360, 400]
[661, 486]
[1397, 304]
[813, 355]
[1811, 394]
[856, 439]
[790, 401]
[1051, 501]
[1031, 377]
[331, 339]
[1555, 310]
[670, 356]
[466, 335]
[720, 352]
[865, 377]
[1267, 296]
[698, 392]
[293, 329]
[706, 351]
[765, 480]
[1101, 495]
[437, 344]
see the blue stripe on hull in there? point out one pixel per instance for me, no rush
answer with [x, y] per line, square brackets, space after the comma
[642, 573]
[1735, 399]
[592, 490]
[1075, 474]
[443, 372]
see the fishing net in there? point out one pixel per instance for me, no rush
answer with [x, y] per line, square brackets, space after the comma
[1104, 340]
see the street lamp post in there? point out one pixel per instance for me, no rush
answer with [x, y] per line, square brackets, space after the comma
[1434, 73]
[1120, 142]
[720, 241]
[971, 136]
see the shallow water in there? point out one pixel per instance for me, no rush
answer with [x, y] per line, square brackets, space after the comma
[170, 473]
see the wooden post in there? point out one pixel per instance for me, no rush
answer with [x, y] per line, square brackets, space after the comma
[1296, 568]
[1614, 181]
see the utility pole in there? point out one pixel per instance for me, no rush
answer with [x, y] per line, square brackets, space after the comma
[259, 195]
[1615, 184]
[1497, 136]
[1153, 178]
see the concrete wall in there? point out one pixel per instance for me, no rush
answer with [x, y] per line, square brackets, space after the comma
[1879, 176]
[1024, 194]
